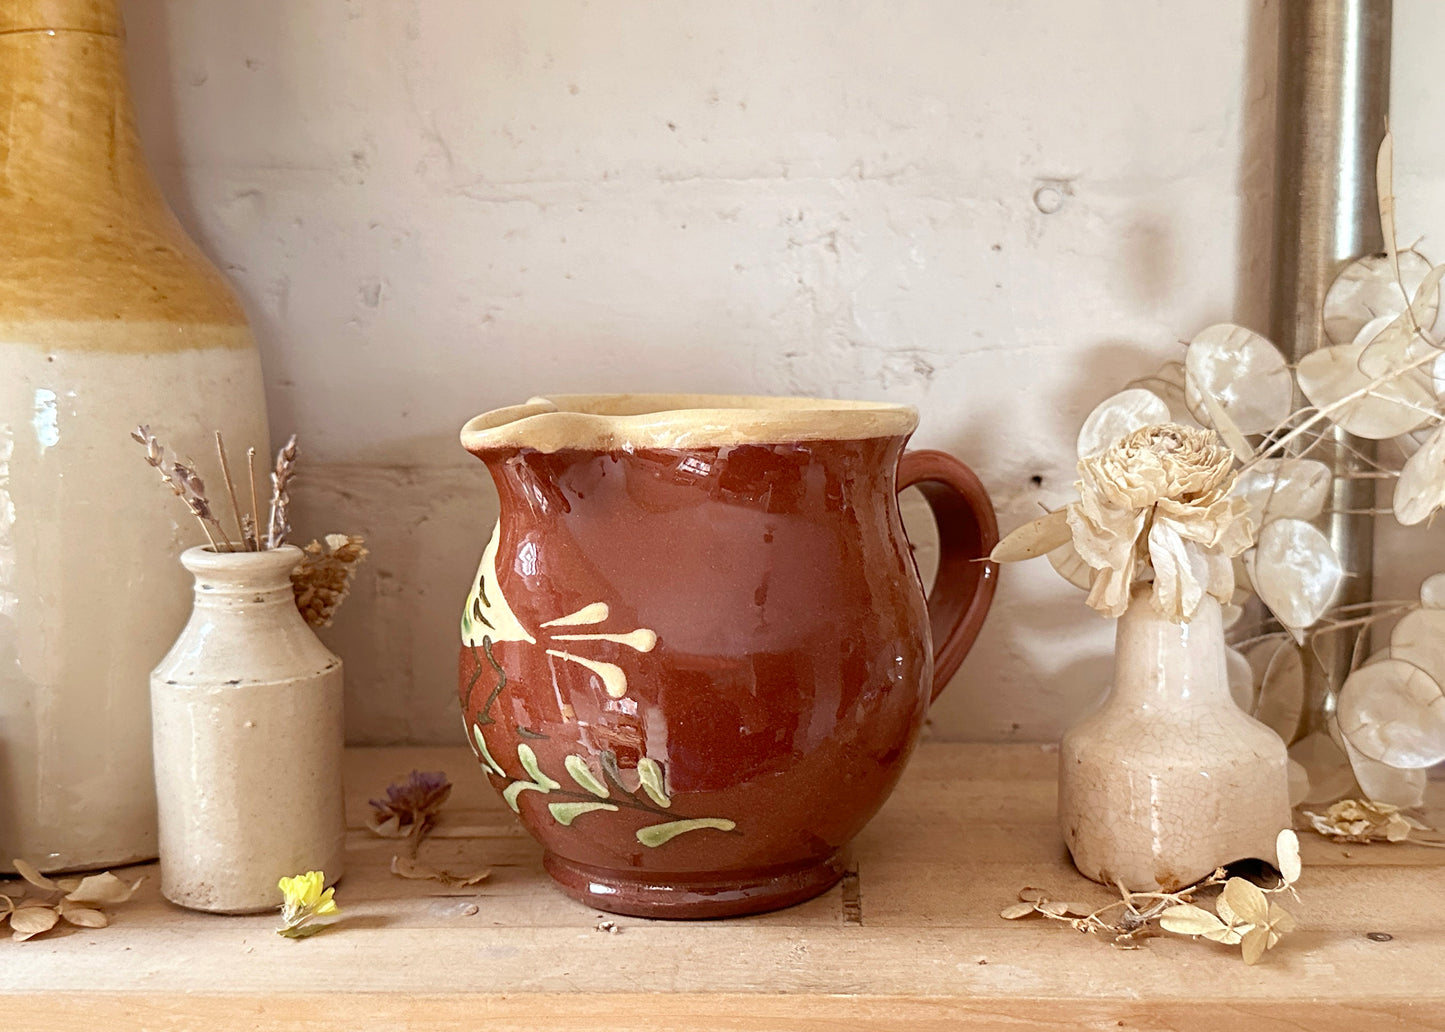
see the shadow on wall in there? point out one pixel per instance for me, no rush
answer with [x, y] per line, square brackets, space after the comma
[426, 527]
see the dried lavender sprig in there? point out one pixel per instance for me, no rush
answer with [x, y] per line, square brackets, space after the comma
[156, 457]
[280, 524]
[193, 493]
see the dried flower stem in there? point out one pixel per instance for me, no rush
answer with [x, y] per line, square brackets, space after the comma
[279, 525]
[255, 506]
[231, 491]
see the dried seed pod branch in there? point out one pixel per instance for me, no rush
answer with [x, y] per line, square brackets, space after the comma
[279, 525]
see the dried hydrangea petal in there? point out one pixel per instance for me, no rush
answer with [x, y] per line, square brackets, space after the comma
[1118, 416]
[1394, 712]
[1242, 371]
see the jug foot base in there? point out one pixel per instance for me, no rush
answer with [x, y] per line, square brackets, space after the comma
[637, 894]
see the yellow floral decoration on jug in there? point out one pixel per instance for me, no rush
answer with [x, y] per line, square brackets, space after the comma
[489, 619]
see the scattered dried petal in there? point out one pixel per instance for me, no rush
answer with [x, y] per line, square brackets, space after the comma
[102, 888]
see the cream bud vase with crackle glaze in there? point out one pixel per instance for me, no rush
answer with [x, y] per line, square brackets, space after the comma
[109, 317]
[248, 739]
[1170, 779]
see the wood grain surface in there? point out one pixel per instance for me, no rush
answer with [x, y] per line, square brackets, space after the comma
[913, 940]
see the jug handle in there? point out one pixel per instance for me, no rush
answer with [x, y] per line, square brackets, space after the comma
[967, 532]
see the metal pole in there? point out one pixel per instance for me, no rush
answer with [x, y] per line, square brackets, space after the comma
[1334, 96]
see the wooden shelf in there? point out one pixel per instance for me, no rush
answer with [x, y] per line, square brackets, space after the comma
[913, 941]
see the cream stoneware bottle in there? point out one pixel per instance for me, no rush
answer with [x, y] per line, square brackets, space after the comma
[109, 317]
[1169, 778]
[248, 739]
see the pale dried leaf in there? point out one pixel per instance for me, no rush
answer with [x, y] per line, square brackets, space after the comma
[1226, 912]
[30, 921]
[1014, 911]
[1281, 921]
[1296, 571]
[1029, 894]
[1228, 936]
[83, 917]
[1329, 375]
[1420, 490]
[1253, 944]
[28, 871]
[1286, 850]
[1394, 712]
[1432, 592]
[1035, 538]
[102, 888]
[1117, 417]
[1244, 373]
[405, 867]
[1187, 919]
[1366, 290]
[1247, 901]
[1054, 907]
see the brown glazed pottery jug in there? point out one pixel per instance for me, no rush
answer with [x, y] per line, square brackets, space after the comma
[697, 654]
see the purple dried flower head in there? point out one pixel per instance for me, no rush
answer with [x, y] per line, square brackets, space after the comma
[413, 801]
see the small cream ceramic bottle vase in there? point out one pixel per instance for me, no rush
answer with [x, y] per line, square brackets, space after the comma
[248, 739]
[1169, 778]
[109, 317]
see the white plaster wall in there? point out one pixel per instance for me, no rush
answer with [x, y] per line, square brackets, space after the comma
[432, 209]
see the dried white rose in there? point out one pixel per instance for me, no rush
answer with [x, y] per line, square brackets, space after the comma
[1159, 500]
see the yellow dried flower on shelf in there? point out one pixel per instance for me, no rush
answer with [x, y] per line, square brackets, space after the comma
[303, 899]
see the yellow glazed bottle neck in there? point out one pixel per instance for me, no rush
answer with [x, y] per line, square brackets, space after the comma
[88, 236]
